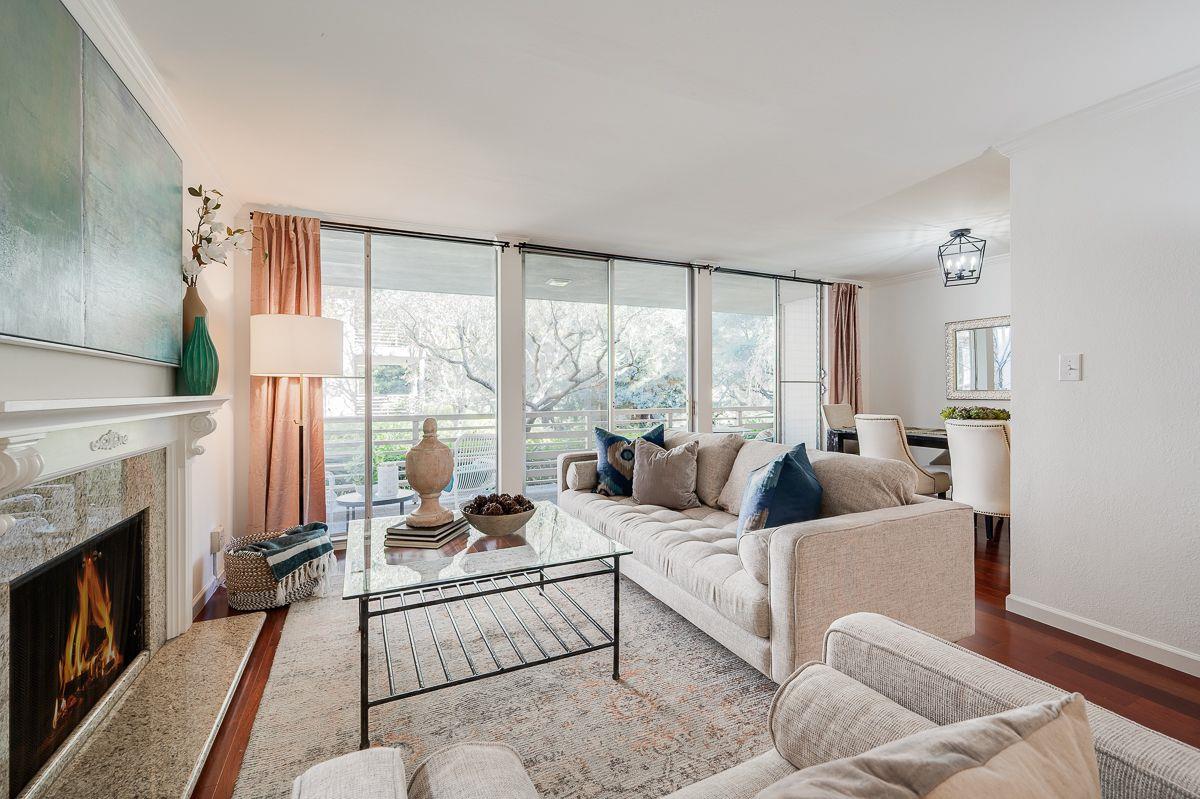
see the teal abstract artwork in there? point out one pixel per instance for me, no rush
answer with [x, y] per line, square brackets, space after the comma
[132, 200]
[90, 197]
[41, 186]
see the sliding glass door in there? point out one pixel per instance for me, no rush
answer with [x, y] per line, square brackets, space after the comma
[743, 355]
[420, 329]
[650, 346]
[606, 344]
[566, 361]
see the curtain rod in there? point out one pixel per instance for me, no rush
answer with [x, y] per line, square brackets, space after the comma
[790, 278]
[550, 250]
[605, 256]
[415, 234]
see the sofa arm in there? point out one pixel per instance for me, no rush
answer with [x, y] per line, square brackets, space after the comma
[946, 684]
[915, 563]
[819, 714]
[564, 462]
[472, 770]
[377, 772]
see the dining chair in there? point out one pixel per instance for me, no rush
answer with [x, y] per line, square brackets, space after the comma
[982, 457]
[882, 436]
[840, 416]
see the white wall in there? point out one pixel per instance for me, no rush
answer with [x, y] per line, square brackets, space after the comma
[31, 373]
[1106, 239]
[904, 355]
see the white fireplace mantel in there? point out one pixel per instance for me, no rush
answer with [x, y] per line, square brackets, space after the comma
[43, 439]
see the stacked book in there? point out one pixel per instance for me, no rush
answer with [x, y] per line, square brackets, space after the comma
[401, 535]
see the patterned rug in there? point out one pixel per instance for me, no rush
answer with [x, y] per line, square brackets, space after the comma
[685, 707]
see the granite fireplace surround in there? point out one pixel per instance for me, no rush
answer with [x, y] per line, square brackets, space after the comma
[70, 469]
[72, 510]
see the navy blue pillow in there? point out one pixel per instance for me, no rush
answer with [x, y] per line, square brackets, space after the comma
[783, 491]
[614, 460]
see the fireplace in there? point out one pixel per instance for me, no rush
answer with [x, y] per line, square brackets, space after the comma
[77, 622]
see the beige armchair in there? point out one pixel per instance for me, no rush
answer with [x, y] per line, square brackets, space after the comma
[882, 436]
[982, 454]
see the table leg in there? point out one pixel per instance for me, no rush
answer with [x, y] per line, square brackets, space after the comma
[616, 672]
[832, 443]
[364, 739]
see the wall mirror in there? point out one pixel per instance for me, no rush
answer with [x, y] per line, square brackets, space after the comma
[979, 359]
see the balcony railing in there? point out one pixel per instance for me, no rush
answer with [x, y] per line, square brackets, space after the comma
[548, 434]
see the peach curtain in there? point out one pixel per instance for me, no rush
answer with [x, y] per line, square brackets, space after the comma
[845, 371]
[285, 277]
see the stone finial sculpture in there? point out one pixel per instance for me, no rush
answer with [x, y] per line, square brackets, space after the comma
[429, 466]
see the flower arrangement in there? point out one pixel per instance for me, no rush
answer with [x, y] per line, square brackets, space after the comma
[213, 241]
[975, 412]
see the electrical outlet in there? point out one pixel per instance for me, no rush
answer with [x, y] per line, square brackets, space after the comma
[1070, 366]
[216, 540]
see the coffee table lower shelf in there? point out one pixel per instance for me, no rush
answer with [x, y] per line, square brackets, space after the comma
[495, 633]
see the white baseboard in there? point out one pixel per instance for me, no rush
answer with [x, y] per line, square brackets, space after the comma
[204, 594]
[1170, 656]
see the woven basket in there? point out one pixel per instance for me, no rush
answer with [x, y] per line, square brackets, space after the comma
[249, 581]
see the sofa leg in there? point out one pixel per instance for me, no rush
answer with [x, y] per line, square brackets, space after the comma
[941, 495]
[987, 527]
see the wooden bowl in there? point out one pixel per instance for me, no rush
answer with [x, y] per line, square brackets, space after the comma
[499, 525]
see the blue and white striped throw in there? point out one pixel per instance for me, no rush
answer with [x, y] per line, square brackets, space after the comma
[294, 548]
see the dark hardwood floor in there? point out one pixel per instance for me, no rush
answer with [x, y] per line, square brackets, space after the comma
[1158, 697]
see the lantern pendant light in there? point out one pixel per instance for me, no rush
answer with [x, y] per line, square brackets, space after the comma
[961, 258]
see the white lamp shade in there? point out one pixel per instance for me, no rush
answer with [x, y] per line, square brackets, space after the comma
[288, 345]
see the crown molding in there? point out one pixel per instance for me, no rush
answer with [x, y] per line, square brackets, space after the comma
[104, 24]
[1148, 96]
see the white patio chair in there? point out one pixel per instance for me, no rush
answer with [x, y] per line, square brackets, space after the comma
[474, 466]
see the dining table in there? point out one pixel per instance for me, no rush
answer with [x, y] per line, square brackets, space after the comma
[933, 437]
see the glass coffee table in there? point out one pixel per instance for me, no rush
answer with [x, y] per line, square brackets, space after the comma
[499, 603]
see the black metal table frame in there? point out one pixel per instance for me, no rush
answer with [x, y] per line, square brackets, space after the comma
[533, 577]
[835, 439]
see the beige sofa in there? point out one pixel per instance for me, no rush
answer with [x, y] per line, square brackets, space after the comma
[880, 681]
[769, 597]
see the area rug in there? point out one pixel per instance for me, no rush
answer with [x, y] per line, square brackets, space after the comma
[685, 707]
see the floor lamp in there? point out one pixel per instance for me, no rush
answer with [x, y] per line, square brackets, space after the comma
[289, 345]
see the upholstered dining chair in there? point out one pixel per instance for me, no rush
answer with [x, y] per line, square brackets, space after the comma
[840, 416]
[882, 436]
[982, 453]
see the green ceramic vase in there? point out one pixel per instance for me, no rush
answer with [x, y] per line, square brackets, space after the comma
[197, 374]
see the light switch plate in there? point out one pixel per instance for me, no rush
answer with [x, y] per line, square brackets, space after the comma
[1070, 366]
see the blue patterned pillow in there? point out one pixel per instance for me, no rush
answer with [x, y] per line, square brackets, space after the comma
[784, 491]
[614, 460]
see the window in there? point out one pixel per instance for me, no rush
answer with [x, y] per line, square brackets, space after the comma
[801, 375]
[431, 328]
[566, 361]
[743, 355]
[650, 346]
[606, 344]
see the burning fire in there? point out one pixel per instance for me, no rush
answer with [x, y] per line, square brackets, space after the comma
[91, 650]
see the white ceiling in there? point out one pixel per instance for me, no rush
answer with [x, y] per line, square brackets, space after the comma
[842, 139]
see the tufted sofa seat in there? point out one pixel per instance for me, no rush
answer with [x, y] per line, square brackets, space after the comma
[697, 549]
[769, 596]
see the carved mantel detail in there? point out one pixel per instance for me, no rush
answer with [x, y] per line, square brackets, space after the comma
[110, 440]
[20, 465]
[199, 426]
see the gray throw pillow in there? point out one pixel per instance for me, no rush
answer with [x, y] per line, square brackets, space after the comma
[665, 477]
